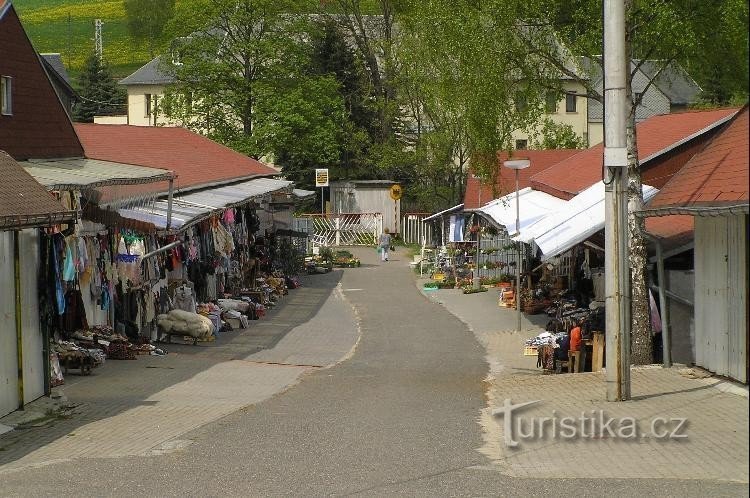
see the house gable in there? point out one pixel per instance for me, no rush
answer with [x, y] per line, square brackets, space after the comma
[38, 127]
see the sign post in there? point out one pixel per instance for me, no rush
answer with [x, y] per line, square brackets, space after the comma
[396, 193]
[321, 180]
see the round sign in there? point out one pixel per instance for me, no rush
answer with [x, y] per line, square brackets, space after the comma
[396, 192]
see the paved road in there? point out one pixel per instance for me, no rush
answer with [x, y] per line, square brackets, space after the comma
[400, 417]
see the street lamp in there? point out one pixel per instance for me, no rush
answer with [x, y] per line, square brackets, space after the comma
[518, 164]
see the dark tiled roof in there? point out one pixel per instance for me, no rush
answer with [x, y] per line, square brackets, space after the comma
[55, 62]
[673, 81]
[717, 176]
[23, 201]
[195, 159]
[656, 136]
[152, 73]
[505, 181]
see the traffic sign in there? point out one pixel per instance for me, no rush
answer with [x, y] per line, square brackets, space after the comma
[396, 192]
[321, 177]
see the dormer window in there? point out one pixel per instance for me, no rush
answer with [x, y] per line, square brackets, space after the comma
[6, 95]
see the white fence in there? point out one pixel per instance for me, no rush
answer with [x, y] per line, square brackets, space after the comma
[414, 230]
[358, 229]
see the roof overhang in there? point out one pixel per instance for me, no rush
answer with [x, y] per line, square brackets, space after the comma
[696, 210]
[192, 208]
[20, 222]
[83, 174]
[435, 216]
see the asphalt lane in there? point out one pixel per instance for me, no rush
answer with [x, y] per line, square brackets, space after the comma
[399, 417]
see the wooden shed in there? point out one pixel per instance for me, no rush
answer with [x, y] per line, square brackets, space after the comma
[367, 196]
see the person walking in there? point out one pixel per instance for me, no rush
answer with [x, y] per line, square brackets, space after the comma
[384, 244]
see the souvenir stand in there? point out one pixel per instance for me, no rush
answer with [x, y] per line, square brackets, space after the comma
[563, 288]
[120, 282]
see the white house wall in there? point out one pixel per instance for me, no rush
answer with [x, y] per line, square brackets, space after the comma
[577, 120]
[137, 104]
[8, 363]
[33, 361]
[720, 295]
[33, 357]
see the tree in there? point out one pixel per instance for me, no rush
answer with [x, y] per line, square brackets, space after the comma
[371, 32]
[464, 82]
[146, 19]
[100, 95]
[242, 81]
[332, 56]
[557, 136]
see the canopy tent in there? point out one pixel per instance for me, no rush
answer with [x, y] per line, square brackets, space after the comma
[191, 208]
[437, 215]
[533, 206]
[572, 223]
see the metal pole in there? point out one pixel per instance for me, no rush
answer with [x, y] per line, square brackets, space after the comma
[518, 259]
[169, 203]
[616, 164]
[665, 339]
[322, 202]
[19, 317]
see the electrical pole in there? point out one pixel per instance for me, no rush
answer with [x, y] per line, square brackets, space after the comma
[616, 269]
[98, 39]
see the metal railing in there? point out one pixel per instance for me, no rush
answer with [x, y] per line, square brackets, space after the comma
[414, 230]
[331, 230]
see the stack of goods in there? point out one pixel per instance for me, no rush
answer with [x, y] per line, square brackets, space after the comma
[185, 323]
[72, 356]
[236, 311]
[507, 297]
[212, 312]
[292, 283]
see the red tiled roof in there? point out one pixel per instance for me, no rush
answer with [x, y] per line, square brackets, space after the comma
[505, 181]
[717, 176]
[195, 159]
[656, 135]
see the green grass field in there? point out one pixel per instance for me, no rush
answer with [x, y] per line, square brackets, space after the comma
[67, 27]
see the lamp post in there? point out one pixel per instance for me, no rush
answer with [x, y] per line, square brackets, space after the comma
[518, 164]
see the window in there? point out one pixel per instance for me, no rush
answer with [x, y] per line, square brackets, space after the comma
[6, 95]
[550, 104]
[522, 144]
[148, 105]
[570, 102]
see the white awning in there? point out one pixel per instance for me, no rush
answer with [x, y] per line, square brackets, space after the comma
[533, 206]
[77, 173]
[435, 216]
[191, 208]
[574, 222]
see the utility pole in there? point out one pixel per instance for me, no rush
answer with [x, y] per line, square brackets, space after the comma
[98, 39]
[616, 269]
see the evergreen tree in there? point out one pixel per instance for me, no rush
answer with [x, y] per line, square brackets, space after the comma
[333, 57]
[99, 92]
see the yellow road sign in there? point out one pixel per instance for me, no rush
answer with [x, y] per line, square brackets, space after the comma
[396, 192]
